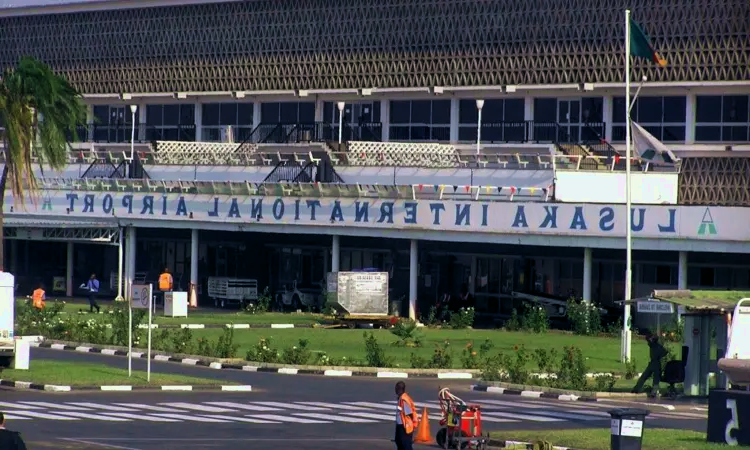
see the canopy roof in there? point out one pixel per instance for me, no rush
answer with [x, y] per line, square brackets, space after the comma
[702, 300]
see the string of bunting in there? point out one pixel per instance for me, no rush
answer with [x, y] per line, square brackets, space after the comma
[488, 189]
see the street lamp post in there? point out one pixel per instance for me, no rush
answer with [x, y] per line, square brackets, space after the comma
[133, 109]
[480, 105]
[341, 106]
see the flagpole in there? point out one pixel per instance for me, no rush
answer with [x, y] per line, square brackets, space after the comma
[628, 238]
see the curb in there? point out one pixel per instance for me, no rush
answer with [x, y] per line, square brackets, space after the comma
[593, 397]
[529, 445]
[166, 387]
[286, 370]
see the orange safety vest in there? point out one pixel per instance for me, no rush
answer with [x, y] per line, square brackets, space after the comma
[409, 421]
[37, 298]
[165, 282]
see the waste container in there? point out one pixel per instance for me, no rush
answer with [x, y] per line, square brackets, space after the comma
[627, 428]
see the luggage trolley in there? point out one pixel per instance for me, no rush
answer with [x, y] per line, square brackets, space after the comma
[461, 424]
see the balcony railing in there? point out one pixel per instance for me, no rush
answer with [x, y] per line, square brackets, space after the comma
[116, 134]
[302, 132]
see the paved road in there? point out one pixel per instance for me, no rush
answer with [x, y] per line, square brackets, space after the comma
[297, 412]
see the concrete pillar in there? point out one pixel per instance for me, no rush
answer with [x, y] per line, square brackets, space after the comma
[413, 277]
[69, 271]
[319, 109]
[141, 130]
[587, 271]
[335, 253]
[14, 257]
[194, 257]
[89, 137]
[682, 272]
[130, 258]
[528, 115]
[607, 115]
[256, 114]
[198, 122]
[454, 118]
[690, 119]
[385, 119]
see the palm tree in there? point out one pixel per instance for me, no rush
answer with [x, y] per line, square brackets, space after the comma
[39, 109]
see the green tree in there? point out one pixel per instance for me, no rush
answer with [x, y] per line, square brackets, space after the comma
[39, 111]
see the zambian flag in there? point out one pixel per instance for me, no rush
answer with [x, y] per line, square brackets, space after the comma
[640, 45]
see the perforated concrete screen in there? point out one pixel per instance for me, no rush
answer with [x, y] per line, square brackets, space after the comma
[334, 44]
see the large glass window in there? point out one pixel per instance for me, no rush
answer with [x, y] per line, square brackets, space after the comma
[112, 123]
[502, 120]
[722, 118]
[664, 117]
[287, 112]
[361, 121]
[173, 122]
[568, 119]
[218, 116]
[420, 120]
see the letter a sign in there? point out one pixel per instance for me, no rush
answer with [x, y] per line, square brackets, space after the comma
[707, 224]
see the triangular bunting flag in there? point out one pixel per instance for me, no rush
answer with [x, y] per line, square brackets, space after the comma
[455, 188]
[437, 187]
[532, 190]
[512, 190]
[420, 187]
[499, 189]
[468, 188]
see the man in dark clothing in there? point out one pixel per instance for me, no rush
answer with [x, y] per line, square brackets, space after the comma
[656, 353]
[92, 286]
[10, 440]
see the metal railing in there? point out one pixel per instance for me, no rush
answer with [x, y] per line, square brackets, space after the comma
[121, 134]
[302, 132]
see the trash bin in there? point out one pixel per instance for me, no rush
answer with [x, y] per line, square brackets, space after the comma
[627, 428]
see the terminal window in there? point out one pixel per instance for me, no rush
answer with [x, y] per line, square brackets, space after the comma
[664, 117]
[722, 118]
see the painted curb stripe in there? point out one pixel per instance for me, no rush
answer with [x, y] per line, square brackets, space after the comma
[454, 376]
[116, 388]
[338, 373]
[392, 375]
[237, 388]
[282, 325]
[215, 365]
[176, 388]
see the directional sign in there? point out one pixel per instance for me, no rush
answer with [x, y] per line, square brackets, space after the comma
[141, 296]
[651, 307]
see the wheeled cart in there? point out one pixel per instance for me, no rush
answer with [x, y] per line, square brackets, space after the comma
[461, 424]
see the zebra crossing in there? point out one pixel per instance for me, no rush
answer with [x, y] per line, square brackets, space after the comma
[494, 412]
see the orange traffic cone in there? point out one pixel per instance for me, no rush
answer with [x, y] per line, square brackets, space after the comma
[193, 300]
[423, 430]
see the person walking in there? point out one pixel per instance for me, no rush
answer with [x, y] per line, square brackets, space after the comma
[92, 286]
[406, 418]
[10, 440]
[656, 353]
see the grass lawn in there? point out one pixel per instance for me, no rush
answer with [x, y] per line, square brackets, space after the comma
[597, 439]
[212, 317]
[83, 374]
[602, 354]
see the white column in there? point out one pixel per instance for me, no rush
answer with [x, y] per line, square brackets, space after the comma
[413, 277]
[682, 272]
[587, 270]
[454, 120]
[256, 114]
[89, 121]
[528, 114]
[335, 253]
[142, 121]
[130, 258]
[69, 271]
[194, 257]
[319, 103]
[385, 119]
[690, 119]
[607, 117]
[198, 122]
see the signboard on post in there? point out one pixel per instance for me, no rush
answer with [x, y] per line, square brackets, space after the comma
[654, 307]
[728, 413]
[142, 298]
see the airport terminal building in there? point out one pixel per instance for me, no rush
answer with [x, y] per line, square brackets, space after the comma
[451, 143]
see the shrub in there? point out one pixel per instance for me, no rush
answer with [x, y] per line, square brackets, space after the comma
[545, 360]
[262, 305]
[263, 352]
[118, 318]
[514, 323]
[47, 323]
[407, 333]
[374, 354]
[536, 319]
[631, 369]
[417, 362]
[584, 317]
[471, 358]
[441, 357]
[515, 365]
[604, 383]
[463, 318]
[90, 331]
[571, 373]
[297, 355]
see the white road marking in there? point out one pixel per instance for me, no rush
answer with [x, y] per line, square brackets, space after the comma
[92, 416]
[364, 405]
[18, 406]
[198, 407]
[521, 417]
[150, 407]
[564, 415]
[189, 418]
[334, 406]
[288, 418]
[236, 419]
[102, 406]
[369, 415]
[141, 417]
[39, 415]
[291, 406]
[12, 417]
[334, 418]
[506, 404]
[243, 406]
[58, 406]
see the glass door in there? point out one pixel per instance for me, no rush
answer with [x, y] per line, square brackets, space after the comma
[569, 119]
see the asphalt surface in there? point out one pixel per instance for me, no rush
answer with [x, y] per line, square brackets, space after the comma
[282, 412]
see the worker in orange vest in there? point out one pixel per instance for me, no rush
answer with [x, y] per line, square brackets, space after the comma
[38, 297]
[406, 418]
[166, 281]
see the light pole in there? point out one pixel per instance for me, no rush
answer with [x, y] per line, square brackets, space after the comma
[341, 106]
[480, 105]
[133, 109]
